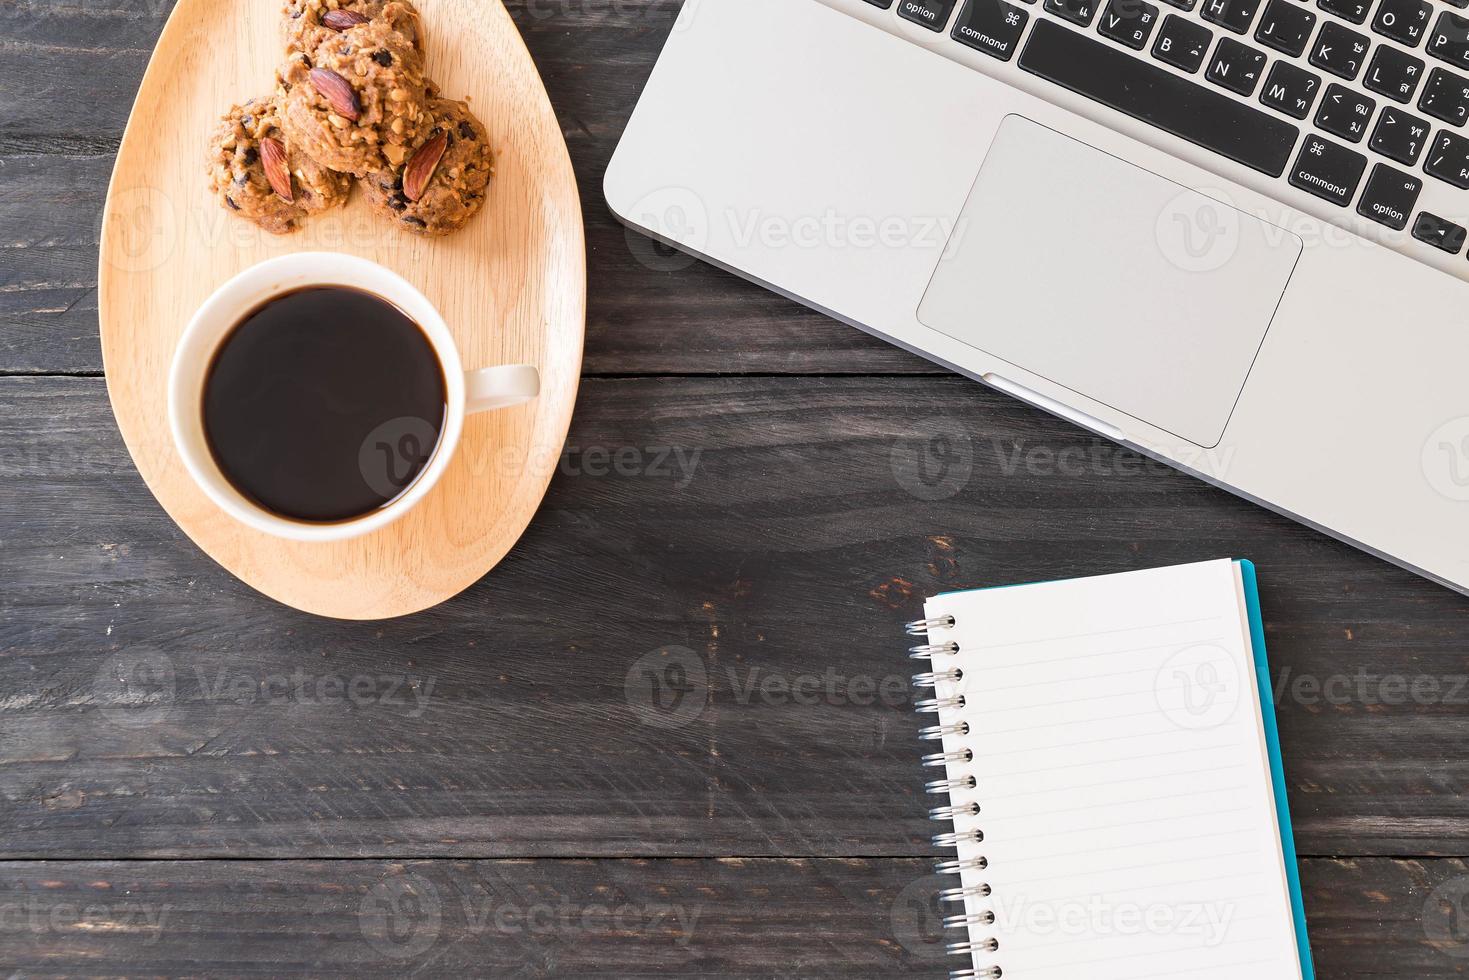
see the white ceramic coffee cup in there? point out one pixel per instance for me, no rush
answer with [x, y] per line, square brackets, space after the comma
[466, 392]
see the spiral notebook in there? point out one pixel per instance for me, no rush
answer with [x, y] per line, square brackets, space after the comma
[1112, 772]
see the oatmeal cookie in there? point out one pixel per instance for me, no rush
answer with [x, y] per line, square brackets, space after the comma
[305, 24]
[435, 198]
[357, 104]
[260, 175]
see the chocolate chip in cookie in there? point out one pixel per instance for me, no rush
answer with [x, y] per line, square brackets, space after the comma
[443, 183]
[257, 172]
[305, 24]
[347, 109]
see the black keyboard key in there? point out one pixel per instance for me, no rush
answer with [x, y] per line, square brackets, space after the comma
[1399, 135]
[1389, 197]
[1352, 10]
[1446, 97]
[1448, 159]
[1182, 43]
[1403, 20]
[884, 4]
[1129, 22]
[1077, 11]
[1329, 171]
[1181, 4]
[991, 26]
[1450, 39]
[1236, 66]
[1286, 27]
[1439, 232]
[1158, 97]
[932, 14]
[1393, 73]
[1290, 89]
[1339, 50]
[1344, 113]
[1234, 15]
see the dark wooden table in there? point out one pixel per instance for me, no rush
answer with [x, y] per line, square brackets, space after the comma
[670, 733]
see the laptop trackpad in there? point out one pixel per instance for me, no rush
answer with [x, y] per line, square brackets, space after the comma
[1110, 280]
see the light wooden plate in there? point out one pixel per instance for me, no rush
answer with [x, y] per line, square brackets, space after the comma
[512, 286]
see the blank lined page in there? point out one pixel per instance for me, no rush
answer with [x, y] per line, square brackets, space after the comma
[1123, 778]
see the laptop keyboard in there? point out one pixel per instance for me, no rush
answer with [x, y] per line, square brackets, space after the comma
[1359, 103]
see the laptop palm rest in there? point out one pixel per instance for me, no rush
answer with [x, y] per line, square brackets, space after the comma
[1107, 279]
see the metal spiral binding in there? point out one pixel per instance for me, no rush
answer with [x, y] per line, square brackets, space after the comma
[927, 651]
[934, 677]
[964, 894]
[959, 867]
[921, 627]
[950, 812]
[963, 921]
[944, 785]
[937, 733]
[932, 706]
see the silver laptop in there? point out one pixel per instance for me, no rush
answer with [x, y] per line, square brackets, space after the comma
[1227, 233]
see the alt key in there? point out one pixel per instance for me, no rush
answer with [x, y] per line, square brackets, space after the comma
[1389, 196]
[932, 14]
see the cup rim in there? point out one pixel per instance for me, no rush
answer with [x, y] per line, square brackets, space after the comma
[218, 315]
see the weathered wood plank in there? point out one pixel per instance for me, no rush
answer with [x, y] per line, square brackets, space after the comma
[777, 530]
[1369, 918]
[502, 918]
[72, 70]
[50, 212]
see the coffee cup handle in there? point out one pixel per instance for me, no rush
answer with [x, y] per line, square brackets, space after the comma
[500, 387]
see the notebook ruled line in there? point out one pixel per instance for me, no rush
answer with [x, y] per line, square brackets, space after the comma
[1193, 750]
[1146, 692]
[1134, 823]
[1012, 883]
[1092, 655]
[1112, 782]
[1132, 802]
[1078, 940]
[1151, 842]
[1092, 634]
[1153, 952]
[1210, 969]
[1170, 730]
[990, 733]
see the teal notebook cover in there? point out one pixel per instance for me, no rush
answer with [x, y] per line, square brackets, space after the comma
[1277, 768]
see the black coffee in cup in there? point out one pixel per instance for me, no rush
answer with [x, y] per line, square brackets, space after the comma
[324, 404]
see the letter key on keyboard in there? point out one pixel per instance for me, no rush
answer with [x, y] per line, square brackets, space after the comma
[1290, 89]
[1182, 43]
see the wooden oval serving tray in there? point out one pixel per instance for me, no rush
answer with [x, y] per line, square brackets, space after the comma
[511, 284]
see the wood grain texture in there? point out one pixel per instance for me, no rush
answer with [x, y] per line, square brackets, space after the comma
[650, 311]
[1370, 918]
[151, 706]
[151, 709]
[511, 285]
